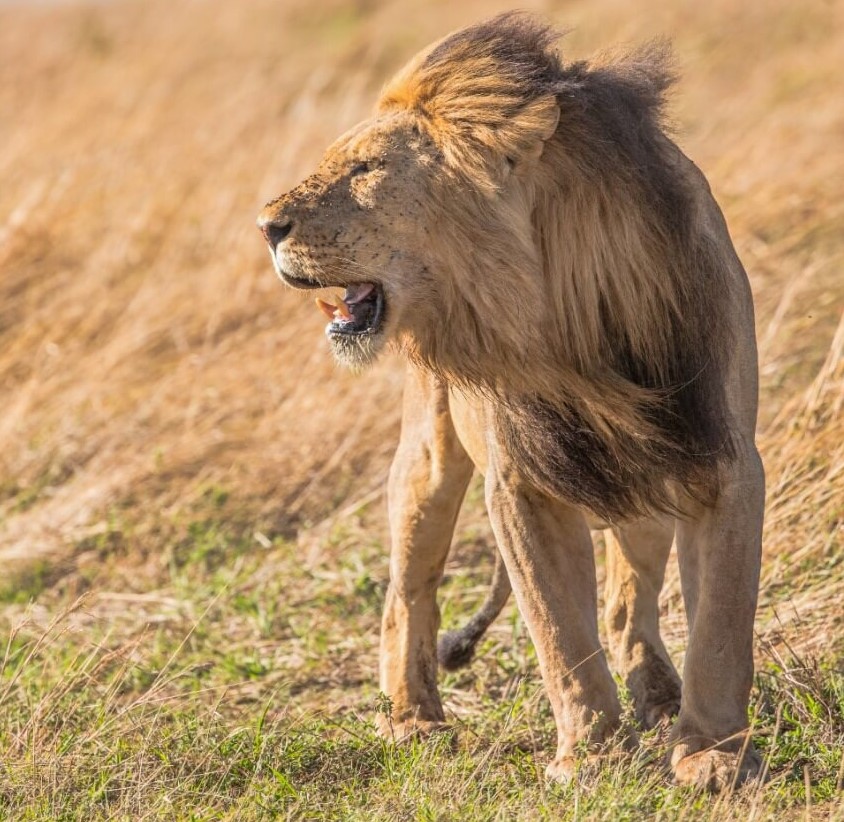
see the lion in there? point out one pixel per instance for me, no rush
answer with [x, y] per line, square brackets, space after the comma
[577, 327]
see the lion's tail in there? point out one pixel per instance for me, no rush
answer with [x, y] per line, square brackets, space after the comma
[456, 648]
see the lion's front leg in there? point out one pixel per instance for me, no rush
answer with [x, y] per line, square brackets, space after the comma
[548, 551]
[428, 479]
[720, 557]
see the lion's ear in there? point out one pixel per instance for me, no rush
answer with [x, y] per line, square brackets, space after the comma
[521, 140]
[496, 135]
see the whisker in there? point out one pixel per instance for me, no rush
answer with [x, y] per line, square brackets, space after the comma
[345, 263]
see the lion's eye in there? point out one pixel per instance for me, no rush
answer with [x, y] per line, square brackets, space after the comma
[363, 167]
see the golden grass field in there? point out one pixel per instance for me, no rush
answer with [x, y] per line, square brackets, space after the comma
[177, 447]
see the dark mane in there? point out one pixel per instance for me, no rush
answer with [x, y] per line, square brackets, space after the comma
[562, 446]
[620, 393]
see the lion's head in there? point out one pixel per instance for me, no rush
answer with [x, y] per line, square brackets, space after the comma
[522, 227]
[405, 205]
[359, 222]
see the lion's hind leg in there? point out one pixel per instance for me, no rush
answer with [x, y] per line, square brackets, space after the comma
[636, 558]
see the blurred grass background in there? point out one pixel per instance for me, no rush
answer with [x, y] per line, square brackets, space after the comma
[177, 447]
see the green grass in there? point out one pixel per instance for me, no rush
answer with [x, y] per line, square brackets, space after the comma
[247, 689]
[176, 449]
[24, 584]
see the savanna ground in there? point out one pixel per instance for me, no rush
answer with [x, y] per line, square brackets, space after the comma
[192, 526]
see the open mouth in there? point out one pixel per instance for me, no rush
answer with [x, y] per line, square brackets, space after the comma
[359, 312]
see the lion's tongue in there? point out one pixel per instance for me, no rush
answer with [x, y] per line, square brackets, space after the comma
[354, 294]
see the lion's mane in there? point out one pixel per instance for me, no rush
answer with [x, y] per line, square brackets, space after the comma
[576, 282]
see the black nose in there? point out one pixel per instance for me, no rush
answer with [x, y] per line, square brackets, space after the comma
[277, 232]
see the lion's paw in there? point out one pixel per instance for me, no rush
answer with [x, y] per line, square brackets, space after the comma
[563, 769]
[661, 714]
[406, 730]
[715, 770]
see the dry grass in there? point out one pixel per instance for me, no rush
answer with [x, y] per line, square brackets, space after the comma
[176, 440]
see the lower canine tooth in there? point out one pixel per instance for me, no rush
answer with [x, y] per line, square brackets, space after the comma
[343, 310]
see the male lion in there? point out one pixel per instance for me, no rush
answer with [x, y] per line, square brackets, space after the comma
[579, 328]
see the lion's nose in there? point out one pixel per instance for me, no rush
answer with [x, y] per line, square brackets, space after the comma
[275, 230]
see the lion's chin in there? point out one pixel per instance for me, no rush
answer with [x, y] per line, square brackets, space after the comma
[356, 352]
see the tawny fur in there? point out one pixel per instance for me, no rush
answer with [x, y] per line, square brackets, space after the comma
[580, 330]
